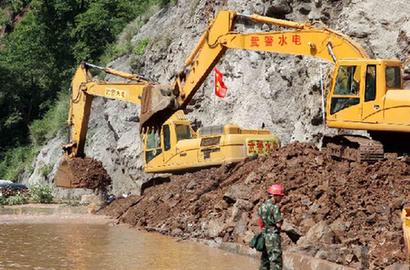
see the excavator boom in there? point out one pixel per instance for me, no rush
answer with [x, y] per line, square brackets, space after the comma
[300, 39]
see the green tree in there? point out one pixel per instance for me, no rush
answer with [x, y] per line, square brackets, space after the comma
[38, 58]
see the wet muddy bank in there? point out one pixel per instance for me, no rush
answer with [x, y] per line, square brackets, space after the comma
[66, 237]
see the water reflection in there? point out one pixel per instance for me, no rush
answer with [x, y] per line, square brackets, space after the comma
[96, 246]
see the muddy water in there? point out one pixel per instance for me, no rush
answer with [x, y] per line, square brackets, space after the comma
[102, 246]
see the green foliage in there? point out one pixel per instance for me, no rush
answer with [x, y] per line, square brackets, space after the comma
[17, 5]
[93, 31]
[36, 194]
[4, 18]
[124, 45]
[3, 200]
[16, 161]
[44, 129]
[41, 194]
[17, 199]
[46, 170]
[140, 47]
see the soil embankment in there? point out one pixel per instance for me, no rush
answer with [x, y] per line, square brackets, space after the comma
[87, 173]
[341, 211]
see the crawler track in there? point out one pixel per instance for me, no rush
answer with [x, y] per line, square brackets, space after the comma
[354, 148]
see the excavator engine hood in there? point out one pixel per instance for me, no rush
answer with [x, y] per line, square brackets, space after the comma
[158, 103]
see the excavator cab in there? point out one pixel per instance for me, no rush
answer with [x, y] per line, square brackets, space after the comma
[160, 143]
[368, 94]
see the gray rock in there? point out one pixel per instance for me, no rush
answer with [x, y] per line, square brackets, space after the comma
[277, 8]
[398, 266]
[215, 227]
[237, 192]
[291, 231]
[319, 233]
[251, 178]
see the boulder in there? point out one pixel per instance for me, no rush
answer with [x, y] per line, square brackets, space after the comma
[278, 8]
[319, 233]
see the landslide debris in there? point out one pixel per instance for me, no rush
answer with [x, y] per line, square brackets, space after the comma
[88, 173]
[341, 211]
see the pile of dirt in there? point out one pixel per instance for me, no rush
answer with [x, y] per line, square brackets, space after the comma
[88, 173]
[341, 211]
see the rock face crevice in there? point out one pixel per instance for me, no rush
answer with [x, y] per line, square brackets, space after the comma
[281, 91]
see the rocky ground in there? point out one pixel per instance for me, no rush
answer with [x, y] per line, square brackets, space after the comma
[341, 211]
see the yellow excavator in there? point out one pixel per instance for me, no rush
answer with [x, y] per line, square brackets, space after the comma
[174, 147]
[365, 94]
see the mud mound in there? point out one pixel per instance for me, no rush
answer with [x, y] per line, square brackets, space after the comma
[88, 173]
[341, 211]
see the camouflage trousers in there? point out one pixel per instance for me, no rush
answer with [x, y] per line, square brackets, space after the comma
[271, 258]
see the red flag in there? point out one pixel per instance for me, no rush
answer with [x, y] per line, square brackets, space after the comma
[220, 88]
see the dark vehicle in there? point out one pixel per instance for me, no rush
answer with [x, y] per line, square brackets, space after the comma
[8, 188]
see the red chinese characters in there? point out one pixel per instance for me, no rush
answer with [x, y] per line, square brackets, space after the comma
[268, 41]
[268, 146]
[296, 40]
[251, 147]
[259, 145]
[254, 41]
[282, 40]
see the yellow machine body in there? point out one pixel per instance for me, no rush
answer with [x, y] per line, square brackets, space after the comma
[176, 147]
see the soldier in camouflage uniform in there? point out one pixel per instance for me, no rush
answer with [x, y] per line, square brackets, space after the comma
[271, 221]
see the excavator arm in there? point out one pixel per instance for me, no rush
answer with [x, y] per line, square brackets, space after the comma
[84, 88]
[299, 39]
[74, 171]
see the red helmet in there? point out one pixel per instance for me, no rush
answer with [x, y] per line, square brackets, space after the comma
[276, 189]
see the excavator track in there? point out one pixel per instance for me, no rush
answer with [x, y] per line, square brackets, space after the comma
[354, 148]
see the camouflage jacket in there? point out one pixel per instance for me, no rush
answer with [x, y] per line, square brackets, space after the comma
[270, 214]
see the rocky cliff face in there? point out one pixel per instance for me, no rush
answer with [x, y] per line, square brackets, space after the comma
[281, 91]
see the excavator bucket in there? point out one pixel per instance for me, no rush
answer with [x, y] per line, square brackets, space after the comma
[82, 173]
[64, 176]
[158, 103]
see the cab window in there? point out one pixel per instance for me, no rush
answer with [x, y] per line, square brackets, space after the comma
[347, 84]
[167, 137]
[370, 91]
[347, 81]
[153, 145]
[183, 132]
[393, 78]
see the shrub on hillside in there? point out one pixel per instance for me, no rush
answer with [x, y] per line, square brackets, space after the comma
[41, 194]
[19, 198]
